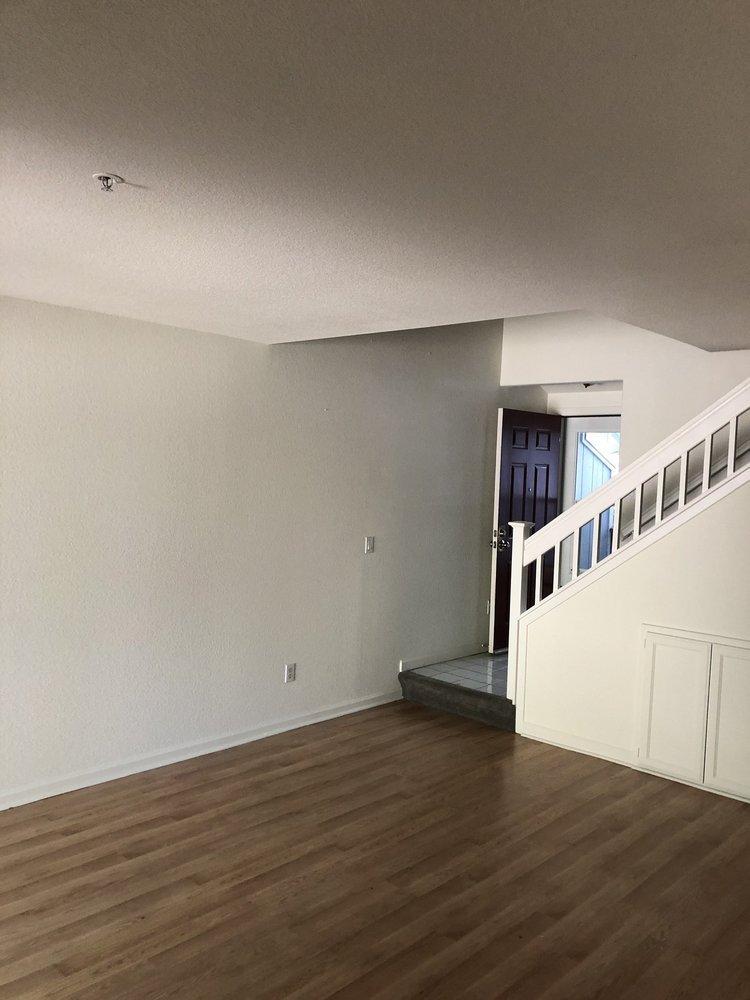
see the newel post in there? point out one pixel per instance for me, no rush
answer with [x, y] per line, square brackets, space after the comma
[519, 575]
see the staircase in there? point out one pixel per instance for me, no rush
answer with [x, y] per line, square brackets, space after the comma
[700, 464]
[705, 460]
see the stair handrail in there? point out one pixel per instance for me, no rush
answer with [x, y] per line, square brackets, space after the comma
[653, 462]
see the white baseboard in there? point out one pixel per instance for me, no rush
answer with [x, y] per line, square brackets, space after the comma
[694, 784]
[453, 653]
[616, 756]
[567, 741]
[134, 765]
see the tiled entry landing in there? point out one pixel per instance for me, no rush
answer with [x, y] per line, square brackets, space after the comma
[487, 672]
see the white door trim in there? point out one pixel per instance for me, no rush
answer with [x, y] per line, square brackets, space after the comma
[495, 528]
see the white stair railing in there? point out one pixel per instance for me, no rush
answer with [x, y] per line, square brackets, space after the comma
[702, 457]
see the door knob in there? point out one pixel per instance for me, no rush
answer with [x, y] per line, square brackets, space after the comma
[500, 541]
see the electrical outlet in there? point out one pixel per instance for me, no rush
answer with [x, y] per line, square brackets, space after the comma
[290, 672]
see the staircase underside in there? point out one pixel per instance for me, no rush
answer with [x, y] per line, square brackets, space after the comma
[491, 709]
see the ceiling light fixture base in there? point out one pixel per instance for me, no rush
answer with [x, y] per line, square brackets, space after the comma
[108, 181]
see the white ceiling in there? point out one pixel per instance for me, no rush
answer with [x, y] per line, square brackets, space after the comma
[314, 168]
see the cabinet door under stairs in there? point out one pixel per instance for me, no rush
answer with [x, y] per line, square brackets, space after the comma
[695, 710]
[728, 733]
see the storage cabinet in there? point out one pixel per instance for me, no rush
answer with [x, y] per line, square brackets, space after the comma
[695, 709]
[728, 732]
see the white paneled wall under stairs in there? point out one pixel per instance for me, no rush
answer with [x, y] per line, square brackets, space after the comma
[693, 709]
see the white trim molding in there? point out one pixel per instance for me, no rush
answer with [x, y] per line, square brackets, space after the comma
[173, 755]
[592, 748]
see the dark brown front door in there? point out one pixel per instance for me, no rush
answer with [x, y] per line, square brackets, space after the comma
[529, 490]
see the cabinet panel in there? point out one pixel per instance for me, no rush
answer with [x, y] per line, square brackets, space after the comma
[728, 742]
[673, 736]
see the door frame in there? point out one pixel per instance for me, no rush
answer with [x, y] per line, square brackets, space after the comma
[499, 536]
[495, 528]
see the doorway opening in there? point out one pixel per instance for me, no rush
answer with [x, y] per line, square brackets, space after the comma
[591, 456]
[527, 488]
[545, 464]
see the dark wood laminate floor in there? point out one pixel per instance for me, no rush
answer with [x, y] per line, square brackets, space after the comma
[395, 853]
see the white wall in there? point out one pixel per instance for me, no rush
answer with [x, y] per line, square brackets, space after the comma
[181, 513]
[579, 686]
[665, 382]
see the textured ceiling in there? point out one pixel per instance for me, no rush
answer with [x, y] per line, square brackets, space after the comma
[312, 168]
